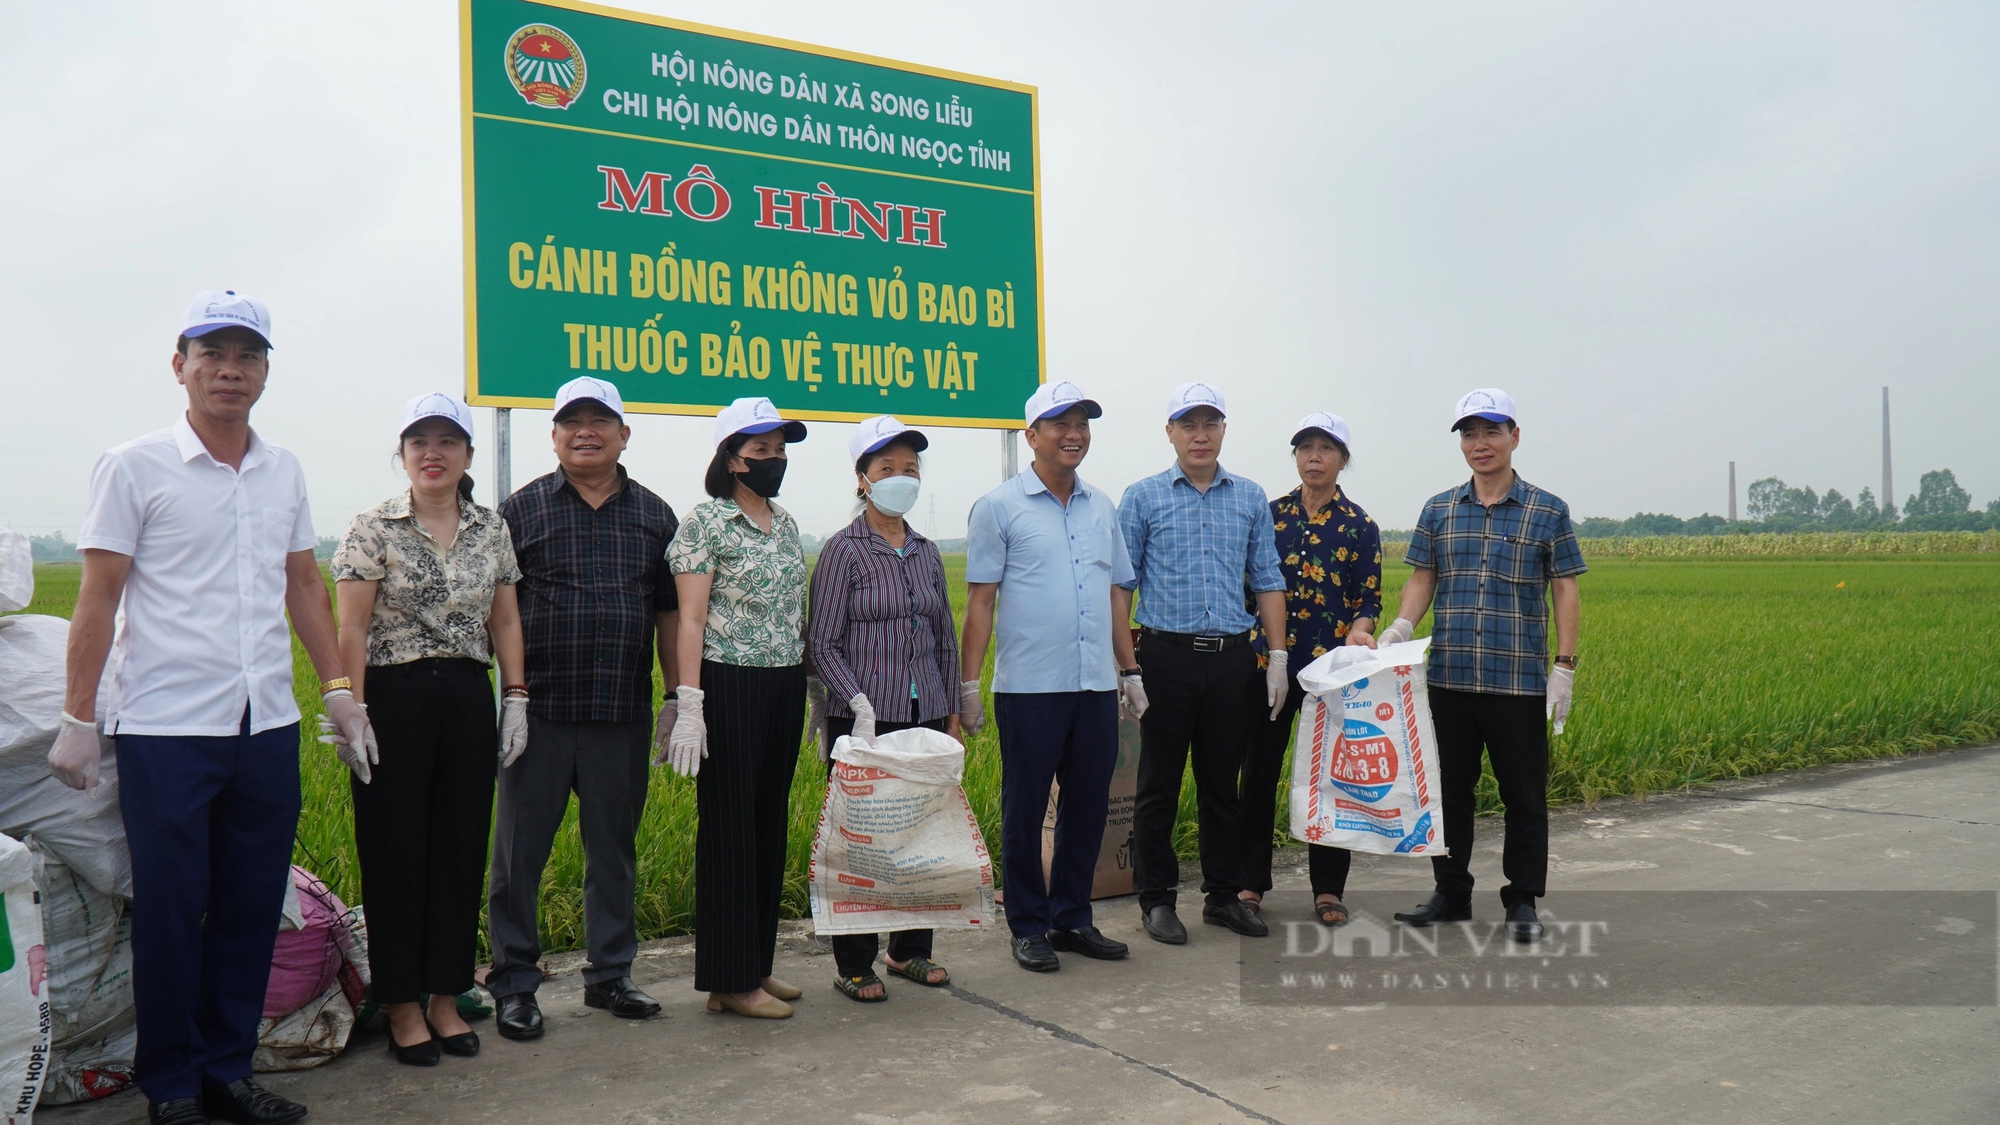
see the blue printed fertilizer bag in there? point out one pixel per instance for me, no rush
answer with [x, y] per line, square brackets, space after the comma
[1364, 760]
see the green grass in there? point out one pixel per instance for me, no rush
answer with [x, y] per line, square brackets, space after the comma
[1693, 669]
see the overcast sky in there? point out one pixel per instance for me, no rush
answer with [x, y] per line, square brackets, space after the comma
[1679, 234]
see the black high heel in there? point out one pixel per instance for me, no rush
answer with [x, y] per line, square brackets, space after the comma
[464, 1045]
[416, 1054]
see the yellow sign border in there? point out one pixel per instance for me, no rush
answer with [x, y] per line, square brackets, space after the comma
[466, 118]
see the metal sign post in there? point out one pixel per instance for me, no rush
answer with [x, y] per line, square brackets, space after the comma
[1008, 469]
[503, 453]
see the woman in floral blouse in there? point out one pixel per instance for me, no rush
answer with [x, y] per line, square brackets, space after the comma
[1331, 554]
[742, 702]
[426, 587]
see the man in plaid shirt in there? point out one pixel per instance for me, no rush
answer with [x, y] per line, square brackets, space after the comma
[597, 604]
[1487, 554]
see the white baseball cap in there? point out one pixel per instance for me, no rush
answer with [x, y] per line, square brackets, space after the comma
[1187, 396]
[874, 433]
[1332, 425]
[1053, 398]
[754, 416]
[438, 404]
[1490, 403]
[587, 388]
[225, 308]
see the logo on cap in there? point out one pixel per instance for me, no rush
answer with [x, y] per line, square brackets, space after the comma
[545, 66]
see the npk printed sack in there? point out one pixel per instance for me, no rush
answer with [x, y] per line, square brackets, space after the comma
[1364, 760]
[898, 847]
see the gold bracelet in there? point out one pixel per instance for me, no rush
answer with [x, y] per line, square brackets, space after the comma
[339, 683]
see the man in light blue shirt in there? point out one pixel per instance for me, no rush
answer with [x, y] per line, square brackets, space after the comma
[1045, 547]
[1197, 535]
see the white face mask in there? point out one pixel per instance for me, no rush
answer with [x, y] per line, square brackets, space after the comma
[894, 496]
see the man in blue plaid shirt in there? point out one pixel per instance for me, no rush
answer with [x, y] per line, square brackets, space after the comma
[1487, 555]
[1197, 535]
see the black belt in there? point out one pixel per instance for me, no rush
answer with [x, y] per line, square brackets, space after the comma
[1200, 642]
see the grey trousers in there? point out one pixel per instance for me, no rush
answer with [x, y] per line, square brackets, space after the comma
[606, 765]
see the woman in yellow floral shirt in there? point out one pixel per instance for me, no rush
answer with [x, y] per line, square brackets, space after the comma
[1331, 555]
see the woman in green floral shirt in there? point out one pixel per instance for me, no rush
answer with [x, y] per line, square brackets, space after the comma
[742, 703]
[1331, 555]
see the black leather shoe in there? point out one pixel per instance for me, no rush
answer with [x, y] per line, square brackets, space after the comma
[1522, 925]
[621, 998]
[1163, 925]
[246, 1103]
[416, 1054]
[465, 1044]
[1436, 909]
[1035, 954]
[518, 1016]
[176, 1111]
[1089, 942]
[1238, 916]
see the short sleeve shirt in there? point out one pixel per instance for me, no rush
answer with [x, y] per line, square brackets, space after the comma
[1332, 562]
[1055, 565]
[202, 633]
[430, 601]
[757, 592]
[1490, 629]
[593, 582]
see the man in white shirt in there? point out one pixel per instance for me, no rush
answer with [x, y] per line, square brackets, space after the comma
[203, 532]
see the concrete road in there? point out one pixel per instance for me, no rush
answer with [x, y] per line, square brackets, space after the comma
[1167, 1037]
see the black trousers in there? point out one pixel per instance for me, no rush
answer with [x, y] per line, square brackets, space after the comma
[1513, 732]
[854, 954]
[743, 795]
[1203, 705]
[420, 826]
[1261, 774]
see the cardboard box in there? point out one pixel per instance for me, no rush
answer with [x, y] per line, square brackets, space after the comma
[1114, 855]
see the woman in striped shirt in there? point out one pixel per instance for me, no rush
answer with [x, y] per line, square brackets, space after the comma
[883, 652]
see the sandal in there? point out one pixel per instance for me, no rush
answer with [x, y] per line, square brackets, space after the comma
[851, 987]
[919, 969]
[1331, 913]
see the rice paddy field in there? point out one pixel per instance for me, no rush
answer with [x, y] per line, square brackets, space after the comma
[1695, 667]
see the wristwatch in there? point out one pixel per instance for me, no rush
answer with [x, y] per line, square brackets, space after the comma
[1568, 662]
[1128, 671]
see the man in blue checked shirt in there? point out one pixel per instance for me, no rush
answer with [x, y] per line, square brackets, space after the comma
[1487, 554]
[1197, 534]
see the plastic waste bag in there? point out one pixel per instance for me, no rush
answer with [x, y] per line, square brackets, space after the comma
[1364, 759]
[898, 847]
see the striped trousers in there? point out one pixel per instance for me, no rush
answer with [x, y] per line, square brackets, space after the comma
[743, 794]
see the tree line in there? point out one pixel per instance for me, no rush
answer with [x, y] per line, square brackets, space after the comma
[1939, 504]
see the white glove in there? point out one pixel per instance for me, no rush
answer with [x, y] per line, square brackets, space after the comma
[1276, 685]
[864, 718]
[1399, 631]
[663, 728]
[73, 759]
[971, 708]
[816, 719]
[688, 745]
[513, 728]
[1132, 698]
[1562, 682]
[344, 724]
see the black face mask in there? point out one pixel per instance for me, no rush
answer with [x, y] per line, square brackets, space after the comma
[764, 475]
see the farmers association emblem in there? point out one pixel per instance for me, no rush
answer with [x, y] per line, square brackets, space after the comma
[546, 66]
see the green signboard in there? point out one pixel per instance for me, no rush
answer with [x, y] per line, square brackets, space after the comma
[700, 214]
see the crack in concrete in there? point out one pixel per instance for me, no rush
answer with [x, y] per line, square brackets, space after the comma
[1068, 1036]
[1842, 808]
